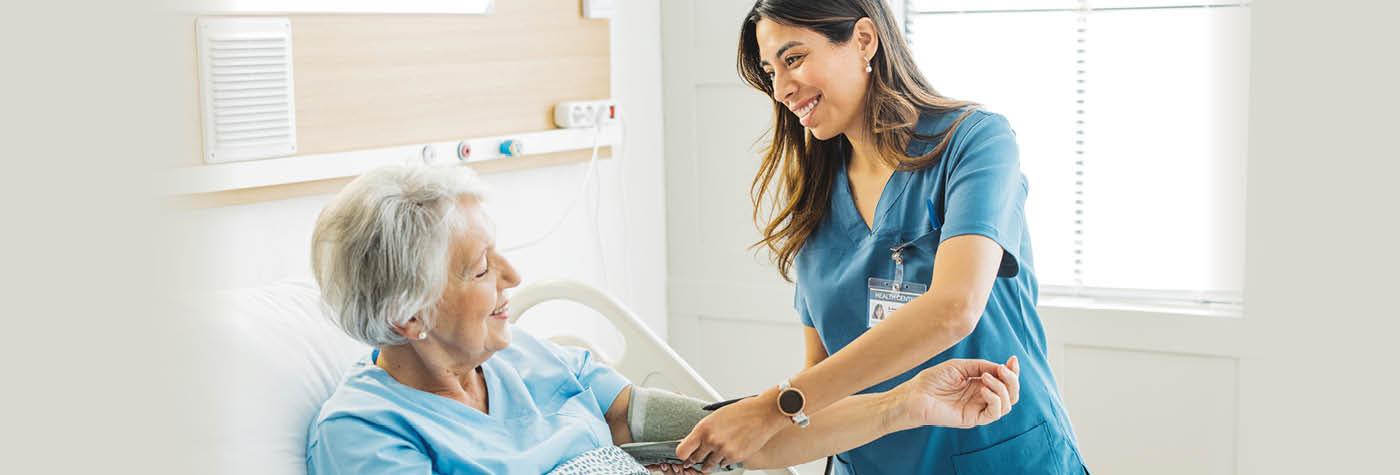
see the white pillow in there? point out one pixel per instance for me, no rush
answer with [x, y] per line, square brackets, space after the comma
[278, 359]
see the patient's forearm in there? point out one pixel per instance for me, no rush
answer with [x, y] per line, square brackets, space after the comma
[849, 423]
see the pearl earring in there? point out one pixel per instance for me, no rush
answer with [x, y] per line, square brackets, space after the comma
[422, 335]
[867, 66]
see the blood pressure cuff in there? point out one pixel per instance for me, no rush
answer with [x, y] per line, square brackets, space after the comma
[657, 415]
[658, 420]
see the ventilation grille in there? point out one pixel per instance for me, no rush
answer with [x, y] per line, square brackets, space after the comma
[246, 80]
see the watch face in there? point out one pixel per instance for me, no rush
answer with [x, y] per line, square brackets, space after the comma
[790, 401]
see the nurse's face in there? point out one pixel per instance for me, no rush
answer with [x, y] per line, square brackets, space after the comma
[473, 312]
[821, 83]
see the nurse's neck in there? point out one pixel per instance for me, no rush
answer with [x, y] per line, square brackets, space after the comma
[421, 367]
[866, 157]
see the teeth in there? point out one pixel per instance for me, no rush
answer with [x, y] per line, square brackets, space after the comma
[808, 109]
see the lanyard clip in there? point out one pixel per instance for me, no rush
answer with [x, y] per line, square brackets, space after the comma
[897, 253]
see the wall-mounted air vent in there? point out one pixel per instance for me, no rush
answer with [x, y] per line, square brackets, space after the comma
[245, 72]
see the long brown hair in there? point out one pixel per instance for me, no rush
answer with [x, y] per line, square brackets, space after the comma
[797, 171]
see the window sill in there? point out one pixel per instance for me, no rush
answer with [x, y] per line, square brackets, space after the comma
[1155, 308]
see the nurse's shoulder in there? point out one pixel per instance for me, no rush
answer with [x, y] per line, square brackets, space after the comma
[979, 129]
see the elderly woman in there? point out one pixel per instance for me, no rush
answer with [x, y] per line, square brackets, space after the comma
[407, 263]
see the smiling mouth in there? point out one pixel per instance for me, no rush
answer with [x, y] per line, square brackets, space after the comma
[807, 109]
[502, 312]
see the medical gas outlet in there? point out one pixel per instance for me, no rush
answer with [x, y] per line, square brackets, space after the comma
[510, 148]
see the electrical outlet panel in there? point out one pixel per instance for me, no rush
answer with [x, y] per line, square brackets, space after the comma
[576, 114]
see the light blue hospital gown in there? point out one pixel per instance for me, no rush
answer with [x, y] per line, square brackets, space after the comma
[546, 408]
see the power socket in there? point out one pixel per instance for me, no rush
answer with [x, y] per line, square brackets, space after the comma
[577, 114]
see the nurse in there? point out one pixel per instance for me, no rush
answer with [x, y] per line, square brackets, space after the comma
[888, 194]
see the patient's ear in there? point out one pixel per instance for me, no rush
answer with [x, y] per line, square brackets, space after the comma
[411, 330]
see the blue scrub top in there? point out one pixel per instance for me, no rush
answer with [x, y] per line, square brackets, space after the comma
[546, 406]
[975, 188]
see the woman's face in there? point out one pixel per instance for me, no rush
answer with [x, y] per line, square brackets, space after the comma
[821, 83]
[472, 315]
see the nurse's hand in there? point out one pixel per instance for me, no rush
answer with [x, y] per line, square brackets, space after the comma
[668, 468]
[957, 393]
[735, 432]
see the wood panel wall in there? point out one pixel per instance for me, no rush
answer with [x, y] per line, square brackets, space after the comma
[371, 81]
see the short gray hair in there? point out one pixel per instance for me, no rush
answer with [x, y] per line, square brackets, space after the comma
[381, 248]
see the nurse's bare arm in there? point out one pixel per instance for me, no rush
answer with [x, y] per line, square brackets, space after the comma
[945, 395]
[963, 273]
[816, 350]
[850, 423]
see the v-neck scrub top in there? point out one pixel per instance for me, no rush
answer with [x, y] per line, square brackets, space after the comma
[546, 406]
[976, 187]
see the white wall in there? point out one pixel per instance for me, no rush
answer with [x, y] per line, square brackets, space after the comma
[1318, 381]
[1301, 383]
[621, 251]
[731, 315]
[729, 309]
[636, 84]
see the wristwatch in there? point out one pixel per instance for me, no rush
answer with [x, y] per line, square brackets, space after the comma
[791, 401]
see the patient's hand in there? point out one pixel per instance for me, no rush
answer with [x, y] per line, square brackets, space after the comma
[957, 393]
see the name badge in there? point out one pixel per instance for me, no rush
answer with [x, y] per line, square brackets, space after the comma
[886, 296]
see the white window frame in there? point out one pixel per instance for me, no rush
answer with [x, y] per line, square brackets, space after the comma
[1192, 303]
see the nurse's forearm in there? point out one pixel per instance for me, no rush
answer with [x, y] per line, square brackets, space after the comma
[847, 424]
[916, 332]
[816, 350]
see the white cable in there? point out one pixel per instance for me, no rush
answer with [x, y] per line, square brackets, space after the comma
[583, 188]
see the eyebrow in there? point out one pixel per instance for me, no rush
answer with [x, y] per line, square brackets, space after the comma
[779, 54]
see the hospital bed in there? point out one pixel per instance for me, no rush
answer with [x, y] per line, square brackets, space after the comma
[277, 358]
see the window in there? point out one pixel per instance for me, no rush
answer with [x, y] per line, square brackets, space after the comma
[1132, 121]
